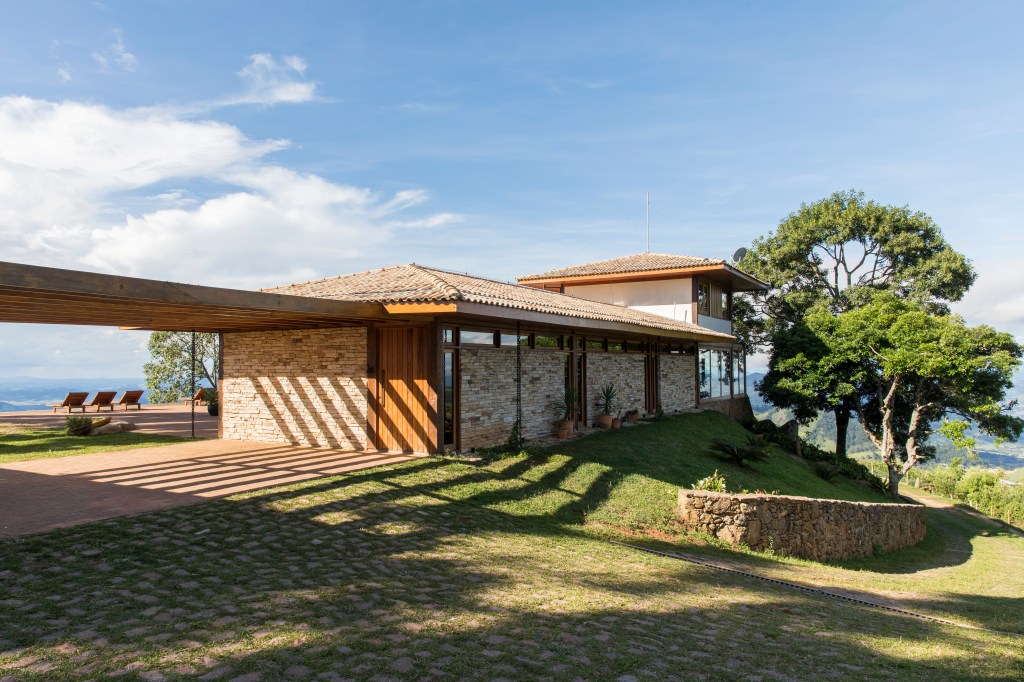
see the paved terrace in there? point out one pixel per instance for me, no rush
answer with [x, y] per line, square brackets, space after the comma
[173, 420]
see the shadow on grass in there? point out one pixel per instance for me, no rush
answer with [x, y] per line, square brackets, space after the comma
[365, 575]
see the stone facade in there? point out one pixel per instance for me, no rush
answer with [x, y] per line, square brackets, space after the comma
[625, 371]
[822, 530]
[677, 382]
[488, 393]
[305, 387]
[738, 408]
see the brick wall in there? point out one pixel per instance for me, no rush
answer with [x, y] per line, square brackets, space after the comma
[677, 378]
[622, 370]
[811, 528]
[304, 386]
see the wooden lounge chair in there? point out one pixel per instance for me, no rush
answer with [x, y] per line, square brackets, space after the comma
[102, 399]
[201, 397]
[131, 398]
[73, 401]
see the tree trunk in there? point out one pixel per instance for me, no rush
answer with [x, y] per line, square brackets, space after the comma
[895, 476]
[842, 426]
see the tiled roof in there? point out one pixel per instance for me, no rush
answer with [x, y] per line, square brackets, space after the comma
[640, 262]
[419, 284]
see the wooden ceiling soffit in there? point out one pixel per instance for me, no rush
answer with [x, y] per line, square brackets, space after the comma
[35, 294]
[420, 308]
[482, 311]
[740, 280]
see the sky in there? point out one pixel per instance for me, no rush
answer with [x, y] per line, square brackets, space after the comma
[251, 144]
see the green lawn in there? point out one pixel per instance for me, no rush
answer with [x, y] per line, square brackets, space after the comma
[447, 569]
[18, 443]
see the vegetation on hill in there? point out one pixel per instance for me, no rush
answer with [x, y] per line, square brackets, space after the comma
[982, 489]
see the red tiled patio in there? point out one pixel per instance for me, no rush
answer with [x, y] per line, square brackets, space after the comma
[172, 420]
[43, 494]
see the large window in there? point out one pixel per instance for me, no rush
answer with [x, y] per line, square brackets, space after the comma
[449, 397]
[703, 298]
[721, 373]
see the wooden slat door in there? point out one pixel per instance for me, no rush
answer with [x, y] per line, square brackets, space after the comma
[406, 401]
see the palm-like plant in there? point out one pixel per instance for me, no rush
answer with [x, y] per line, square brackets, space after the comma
[739, 454]
[606, 401]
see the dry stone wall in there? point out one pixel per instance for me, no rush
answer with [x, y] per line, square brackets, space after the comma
[738, 408]
[677, 375]
[625, 371]
[305, 387]
[822, 530]
[488, 393]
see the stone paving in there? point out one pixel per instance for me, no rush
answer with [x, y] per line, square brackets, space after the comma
[171, 420]
[43, 494]
[379, 575]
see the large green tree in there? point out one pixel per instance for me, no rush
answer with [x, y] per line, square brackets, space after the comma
[836, 253]
[919, 373]
[169, 372]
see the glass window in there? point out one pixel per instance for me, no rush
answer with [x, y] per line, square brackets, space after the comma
[705, 373]
[595, 344]
[448, 335]
[547, 341]
[635, 346]
[449, 397]
[510, 340]
[725, 305]
[615, 346]
[477, 338]
[703, 298]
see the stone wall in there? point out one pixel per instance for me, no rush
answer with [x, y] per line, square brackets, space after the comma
[488, 393]
[822, 530]
[677, 379]
[306, 387]
[625, 371]
[738, 408]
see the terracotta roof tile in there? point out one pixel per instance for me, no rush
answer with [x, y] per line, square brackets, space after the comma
[419, 284]
[640, 262]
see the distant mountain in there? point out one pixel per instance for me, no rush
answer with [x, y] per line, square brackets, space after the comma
[32, 393]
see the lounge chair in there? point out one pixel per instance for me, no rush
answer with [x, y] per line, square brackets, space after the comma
[102, 399]
[201, 397]
[72, 401]
[130, 399]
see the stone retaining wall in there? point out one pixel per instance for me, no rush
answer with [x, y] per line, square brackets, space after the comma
[821, 530]
[304, 387]
[738, 408]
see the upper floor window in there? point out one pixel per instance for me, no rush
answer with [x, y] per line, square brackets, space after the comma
[703, 298]
[725, 305]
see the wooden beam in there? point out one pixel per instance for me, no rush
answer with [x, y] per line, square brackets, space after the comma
[420, 308]
[721, 271]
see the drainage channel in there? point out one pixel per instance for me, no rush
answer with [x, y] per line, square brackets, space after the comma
[805, 588]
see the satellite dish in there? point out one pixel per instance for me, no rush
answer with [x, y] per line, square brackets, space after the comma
[738, 256]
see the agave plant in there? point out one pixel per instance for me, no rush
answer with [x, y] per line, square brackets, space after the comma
[739, 453]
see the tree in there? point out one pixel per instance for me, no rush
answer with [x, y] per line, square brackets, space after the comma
[838, 251]
[169, 373]
[920, 373]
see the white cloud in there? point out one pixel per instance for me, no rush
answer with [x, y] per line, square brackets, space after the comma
[117, 190]
[116, 55]
[270, 81]
[64, 75]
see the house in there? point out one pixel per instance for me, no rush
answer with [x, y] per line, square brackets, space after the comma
[418, 359]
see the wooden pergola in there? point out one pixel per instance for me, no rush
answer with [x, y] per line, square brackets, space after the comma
[41, 295]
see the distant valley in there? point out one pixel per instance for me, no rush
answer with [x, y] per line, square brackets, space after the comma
[18, 394]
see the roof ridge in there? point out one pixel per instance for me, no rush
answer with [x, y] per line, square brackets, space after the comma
[450, 291]
[329, 278]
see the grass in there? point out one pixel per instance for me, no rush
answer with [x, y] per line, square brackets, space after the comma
[444, 568]
[19, 443]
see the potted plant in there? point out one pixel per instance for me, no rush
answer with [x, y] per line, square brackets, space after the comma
[606, 404]
[566, 411]
[212, 402]
[632, 416]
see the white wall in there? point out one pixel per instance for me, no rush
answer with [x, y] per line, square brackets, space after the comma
[669, 298]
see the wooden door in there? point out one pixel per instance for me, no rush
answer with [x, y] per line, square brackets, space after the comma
[406, 402]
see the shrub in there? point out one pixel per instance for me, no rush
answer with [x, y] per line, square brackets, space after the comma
[739, 454]
[773, 434]
[714, 483]
[77, 425]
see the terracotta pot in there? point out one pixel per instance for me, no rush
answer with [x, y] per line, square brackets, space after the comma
[566, 426]
[616, 423]
[634, 418]
[604, 421]
[561, 434]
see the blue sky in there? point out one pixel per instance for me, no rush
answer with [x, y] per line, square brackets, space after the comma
[250, 144]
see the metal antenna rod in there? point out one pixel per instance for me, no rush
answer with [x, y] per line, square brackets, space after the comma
[648, 222]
